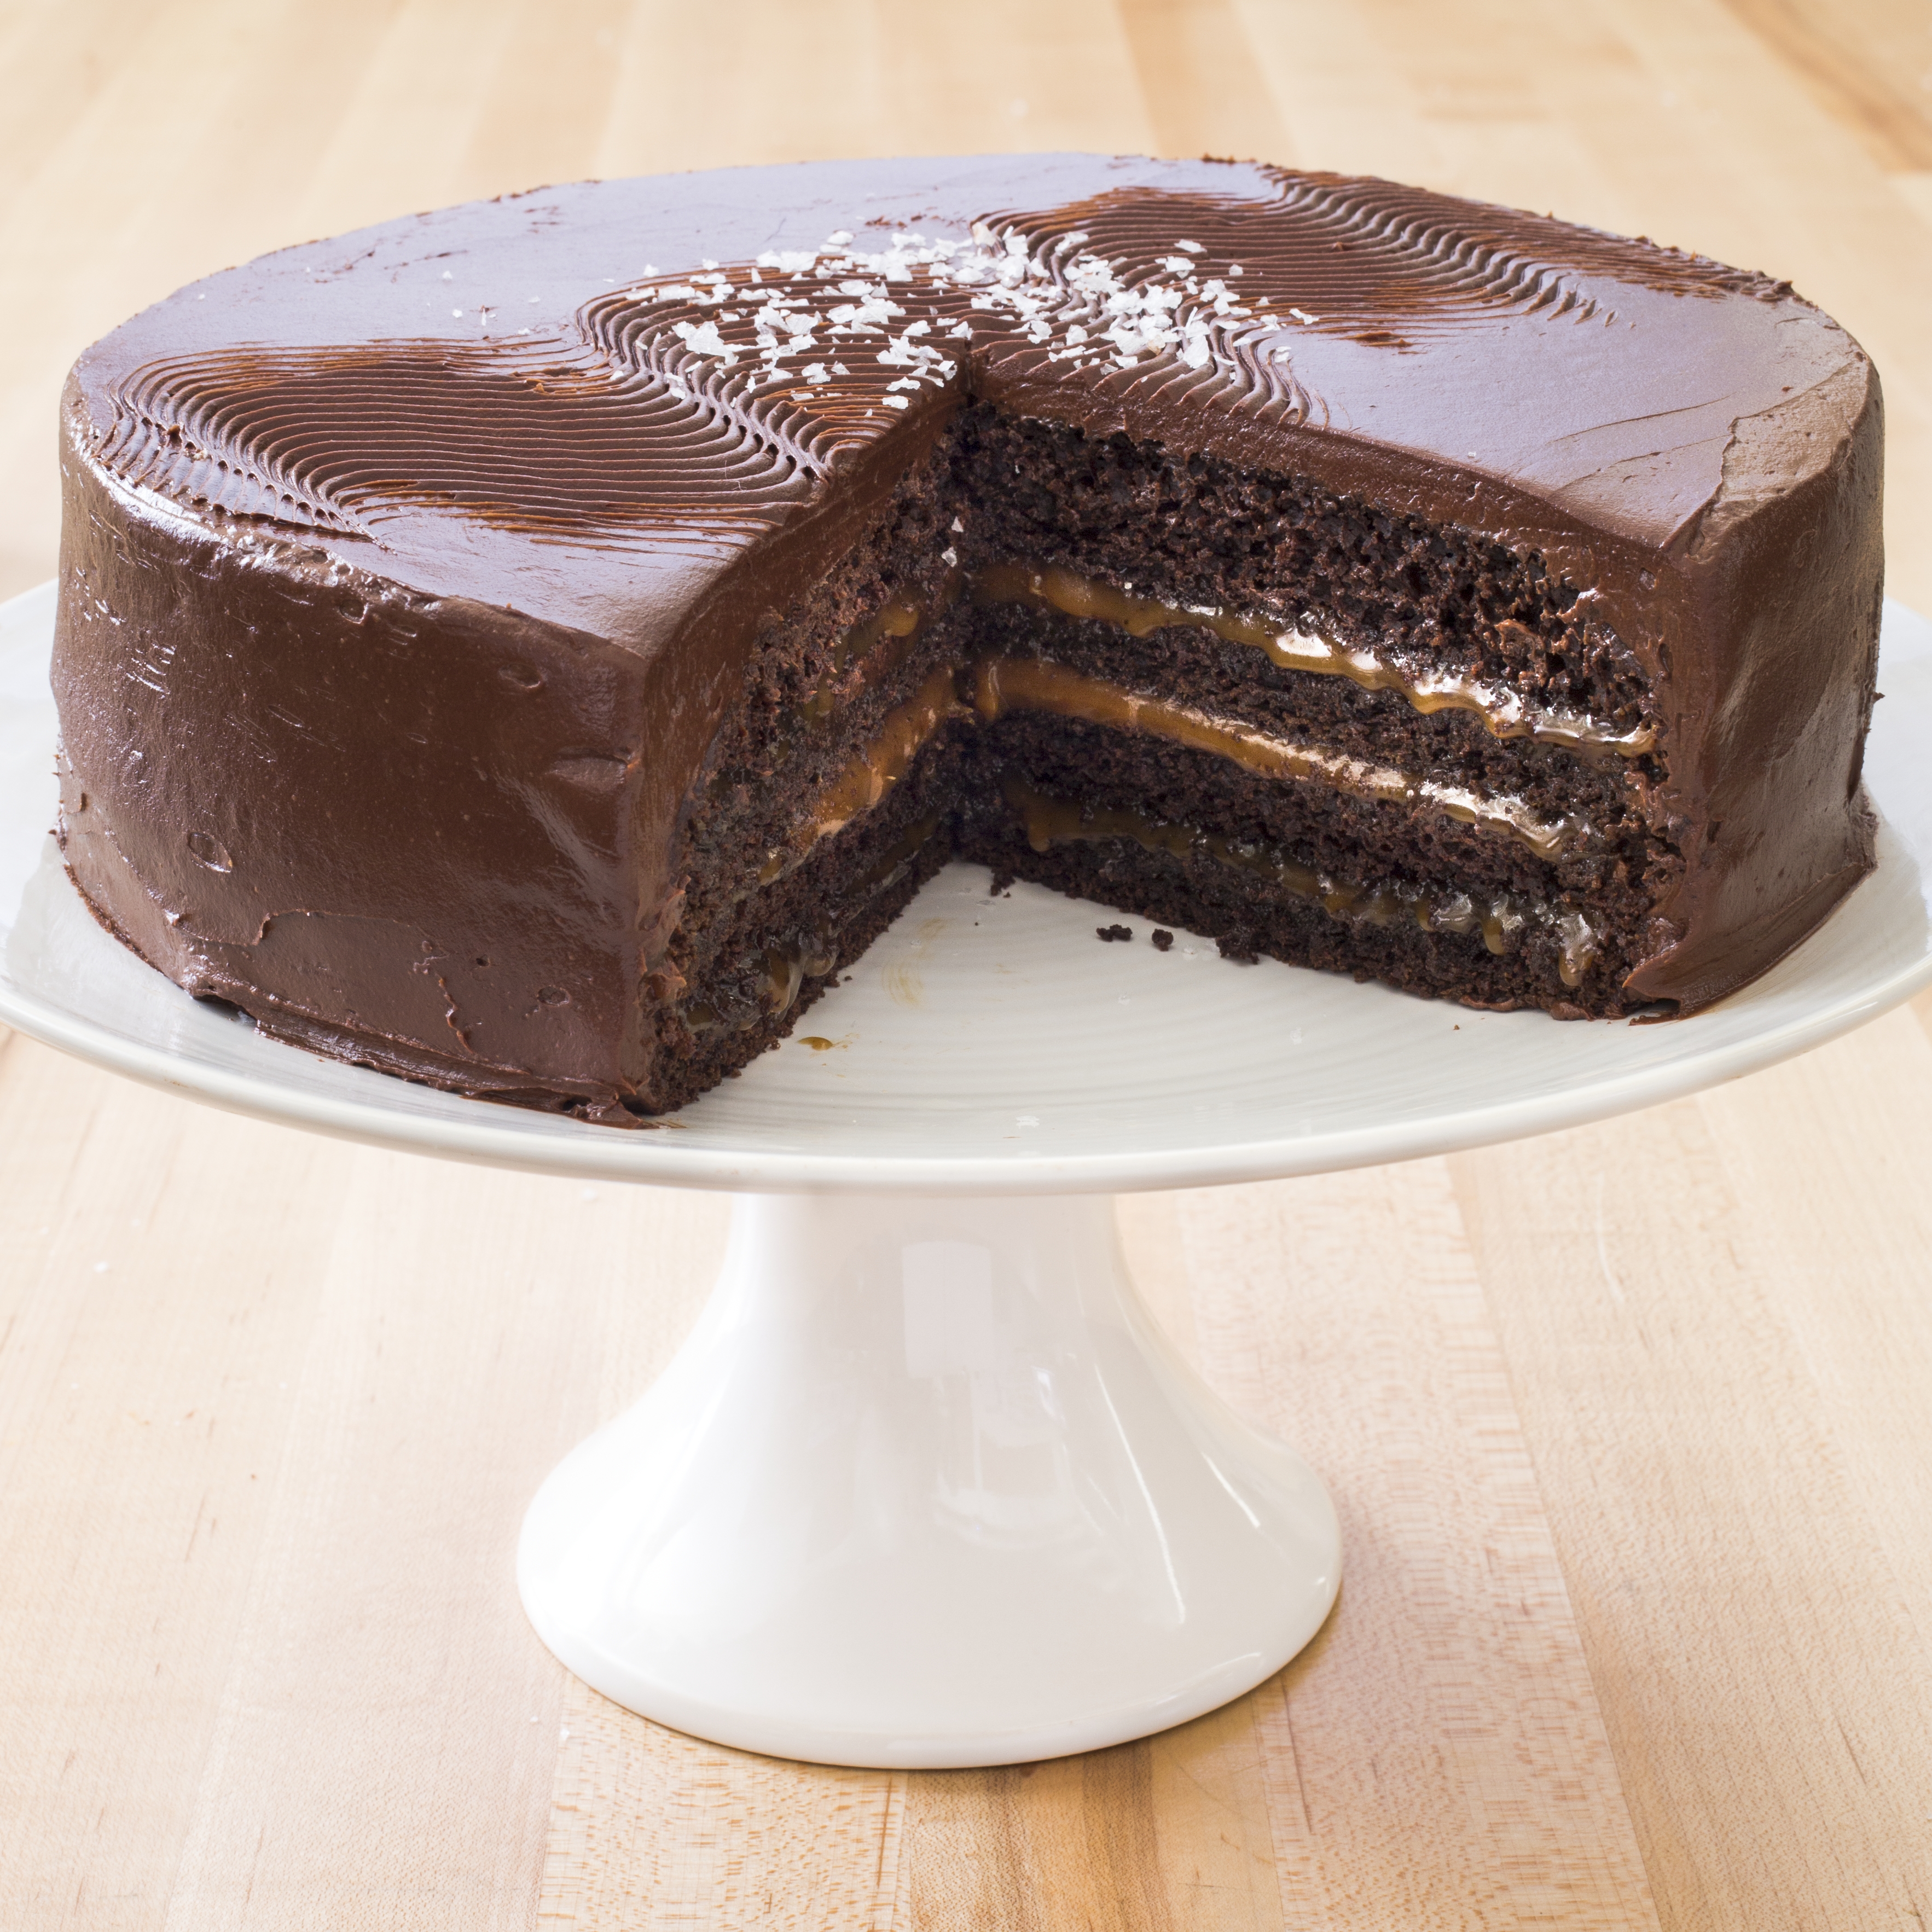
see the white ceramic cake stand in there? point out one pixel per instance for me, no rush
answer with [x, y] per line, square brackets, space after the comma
[927, 1487]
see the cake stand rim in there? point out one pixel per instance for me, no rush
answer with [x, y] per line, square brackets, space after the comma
[497, 1137]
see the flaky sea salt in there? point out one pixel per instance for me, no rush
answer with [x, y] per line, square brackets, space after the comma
[1079, 307]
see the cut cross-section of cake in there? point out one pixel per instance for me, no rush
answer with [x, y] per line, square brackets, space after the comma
[535, 647]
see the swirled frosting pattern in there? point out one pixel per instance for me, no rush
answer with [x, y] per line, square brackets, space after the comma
[542, 437]
[710, 403]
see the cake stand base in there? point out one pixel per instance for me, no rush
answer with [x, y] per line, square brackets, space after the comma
[927, 1487]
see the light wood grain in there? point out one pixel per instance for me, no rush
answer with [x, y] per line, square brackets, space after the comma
[1446, 1738]
[651, 1829]
[1628, 1426]
[1728, 1410]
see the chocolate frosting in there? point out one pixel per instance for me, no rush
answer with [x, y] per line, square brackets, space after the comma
[408, 576]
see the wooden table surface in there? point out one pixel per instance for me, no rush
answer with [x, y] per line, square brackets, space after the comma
[1628, 1427]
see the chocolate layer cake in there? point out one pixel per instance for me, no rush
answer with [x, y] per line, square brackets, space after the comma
[534, 647]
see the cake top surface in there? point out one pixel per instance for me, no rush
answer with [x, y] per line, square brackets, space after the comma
[596, 400]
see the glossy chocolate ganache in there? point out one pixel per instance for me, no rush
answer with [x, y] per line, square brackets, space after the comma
[534, 647]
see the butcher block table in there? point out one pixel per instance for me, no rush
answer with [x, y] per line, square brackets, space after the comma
[1629, 1428]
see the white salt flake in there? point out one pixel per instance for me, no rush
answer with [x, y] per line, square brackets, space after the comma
[702, 339]
[1192, 247]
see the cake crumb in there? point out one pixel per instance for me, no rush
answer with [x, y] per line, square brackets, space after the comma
[1113, 932]
[1162, 939]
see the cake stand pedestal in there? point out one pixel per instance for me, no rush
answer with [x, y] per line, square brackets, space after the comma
[927, 1487]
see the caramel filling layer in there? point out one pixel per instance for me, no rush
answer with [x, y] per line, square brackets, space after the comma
[999, 684]
[878, 645]
[1028, 684]
[875, 771]
[783, 970]
[1503, 712]
[1501, 921]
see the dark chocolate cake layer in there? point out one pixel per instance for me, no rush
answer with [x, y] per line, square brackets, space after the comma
[533, 646]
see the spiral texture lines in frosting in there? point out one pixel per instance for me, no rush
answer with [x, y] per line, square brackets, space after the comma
[679, 410]
[540, 437]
